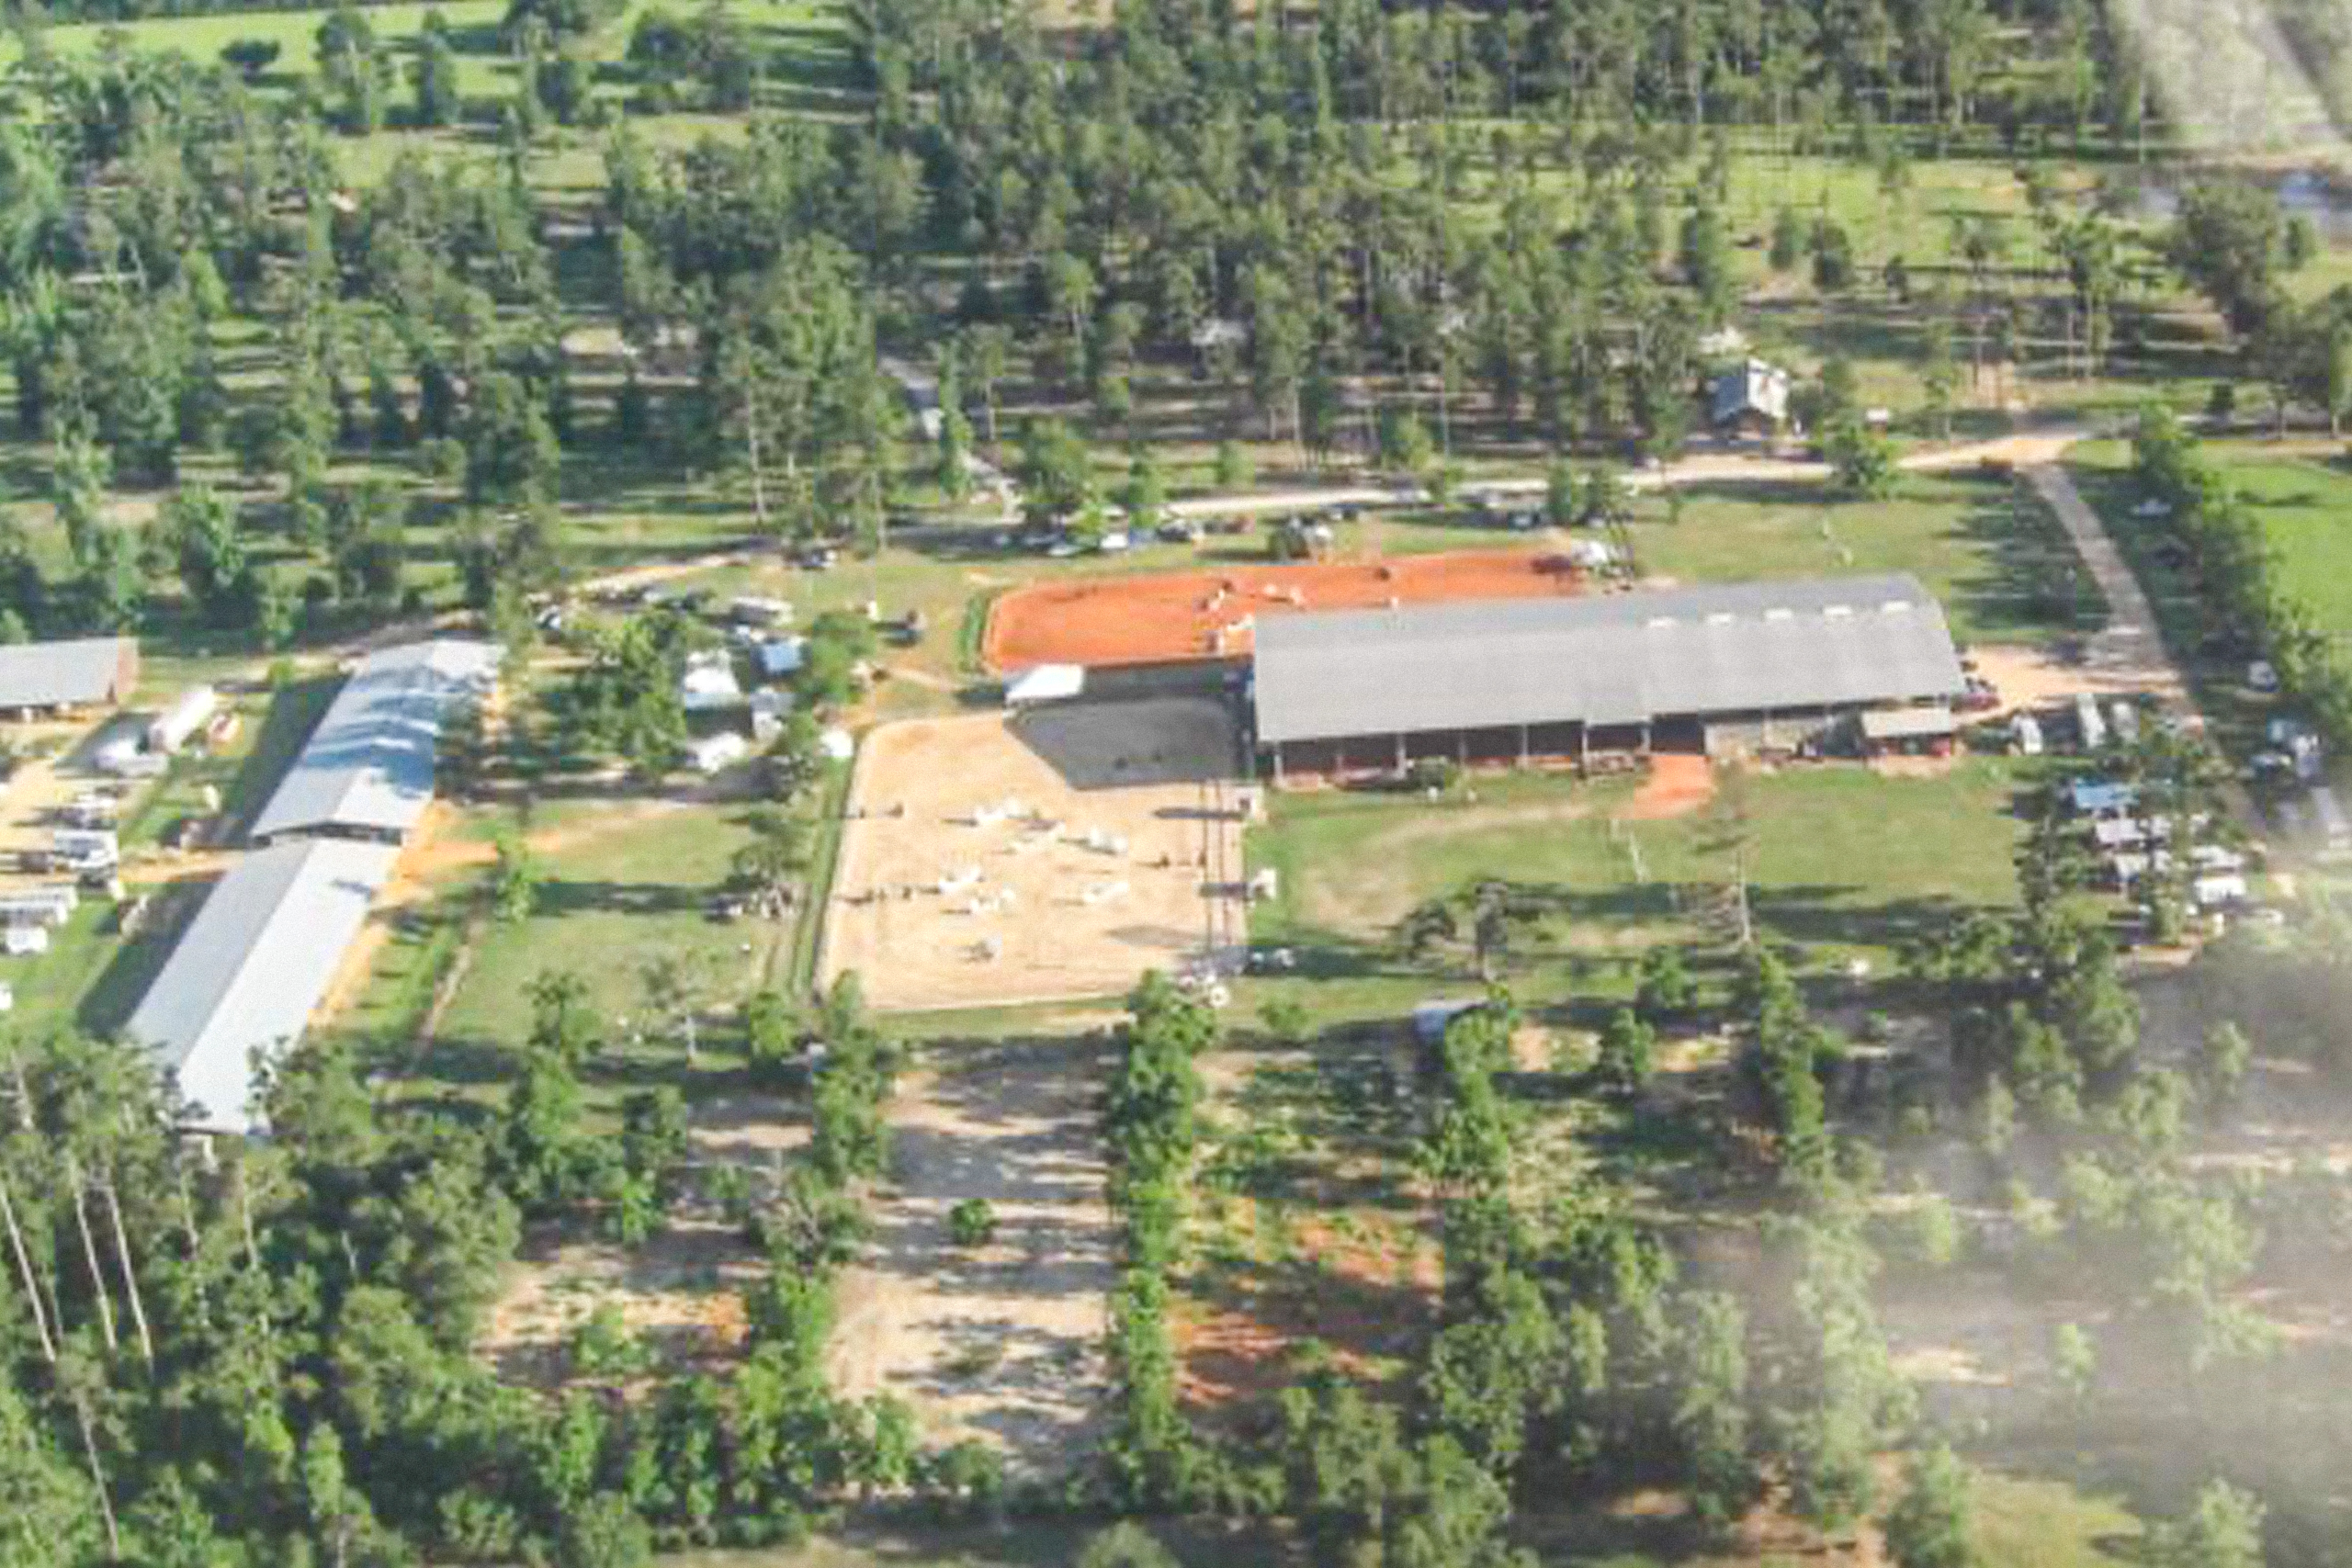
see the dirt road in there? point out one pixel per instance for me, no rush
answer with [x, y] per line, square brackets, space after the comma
[2130, 648]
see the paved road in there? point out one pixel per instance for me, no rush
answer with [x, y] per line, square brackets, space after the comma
[2130, 648]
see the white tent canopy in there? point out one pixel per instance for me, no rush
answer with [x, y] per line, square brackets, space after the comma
[1045, 683]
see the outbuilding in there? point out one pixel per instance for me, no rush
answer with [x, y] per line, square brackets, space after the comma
[188, 714]
[1045, 683]
[46, 679]
[1751, 399]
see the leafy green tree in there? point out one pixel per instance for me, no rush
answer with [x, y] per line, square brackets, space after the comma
[513, 880]
[439, 100]
[1861, 461]
[1665, 992]
[2223, 1530]
[1627, 1047]
[1125, 1545]
[1711, 1409]
[1928, 1527]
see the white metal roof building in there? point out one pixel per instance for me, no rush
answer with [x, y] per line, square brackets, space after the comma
[252, 968]
[41, 677]
[1604, 661]
[367, 771]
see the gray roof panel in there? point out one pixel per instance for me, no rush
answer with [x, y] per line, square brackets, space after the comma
[369, 764]
[1611, 659]
[77, 673]
[252, 968]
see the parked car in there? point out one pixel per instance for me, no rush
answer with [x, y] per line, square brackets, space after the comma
[2262, 676]
[1980, 696]
[1063, 549]
[817, 558]
[1114, 544]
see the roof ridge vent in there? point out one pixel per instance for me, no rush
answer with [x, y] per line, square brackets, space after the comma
[1836, 612]
[1780, 613]
[1720, 617]
[1895, 606]
[1660, 622]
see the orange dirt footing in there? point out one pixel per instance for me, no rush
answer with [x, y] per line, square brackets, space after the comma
[1172, 616]
[1678, 785]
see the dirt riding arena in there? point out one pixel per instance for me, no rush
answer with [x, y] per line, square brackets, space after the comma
[1048, 856]
[1209, 614]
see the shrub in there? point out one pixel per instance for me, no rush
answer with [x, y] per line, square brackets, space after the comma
[972, 1223]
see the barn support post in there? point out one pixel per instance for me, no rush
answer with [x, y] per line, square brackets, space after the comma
[1278, 764]
[1400, 752]
[1526, 755]
[1584, 747]
[1461, 747]
[1645, 737]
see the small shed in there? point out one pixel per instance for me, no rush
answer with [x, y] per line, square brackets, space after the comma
[710, 683]
[2101, 797]
[780, 658]
[1045, 683]
[1751, 399]
[1909, 729]
[713, 754]
[188, 716]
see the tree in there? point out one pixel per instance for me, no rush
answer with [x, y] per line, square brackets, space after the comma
[511, 454]
[1928, 1527]
[439, 100]
[2227, 242]
[1709, 1412]
[605, 1531]
[1125, 1545]
[251, 56]
[972, 1223]
[1627, 1045]
[771, 866]
[1665, 992]
[513, 880]
[2073, 1363]
[1862, 460]
[2221, 1062]
[2223, 1530]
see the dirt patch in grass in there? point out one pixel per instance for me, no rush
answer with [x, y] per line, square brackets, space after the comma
[1001, 1343]
[1679, 783]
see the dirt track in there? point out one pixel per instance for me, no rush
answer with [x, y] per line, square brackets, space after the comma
[1206, 615]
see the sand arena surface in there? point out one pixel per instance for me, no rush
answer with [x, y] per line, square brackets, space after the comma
[1078, 846]
[1166, 617]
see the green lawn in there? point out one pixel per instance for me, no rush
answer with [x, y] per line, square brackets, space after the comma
[1988, 548]
[2304, 497]
[1843, 864]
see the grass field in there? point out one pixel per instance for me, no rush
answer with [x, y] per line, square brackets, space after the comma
[807, 50]
[1843, 864]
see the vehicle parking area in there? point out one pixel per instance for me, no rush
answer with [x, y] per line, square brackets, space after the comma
[1170, 616]
[1053, 854]
[39, 793]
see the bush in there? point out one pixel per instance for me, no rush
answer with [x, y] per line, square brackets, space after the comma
[972, 1223]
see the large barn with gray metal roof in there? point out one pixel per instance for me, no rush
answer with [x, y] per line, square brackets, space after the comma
[251, 969]
[1747, 666]
[367, 771]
